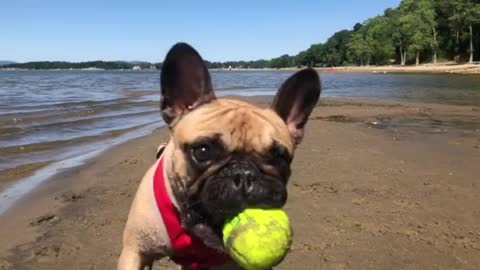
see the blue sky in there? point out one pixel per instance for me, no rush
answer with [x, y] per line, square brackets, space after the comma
[33, 30]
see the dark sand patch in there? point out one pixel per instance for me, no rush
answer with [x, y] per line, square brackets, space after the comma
[10, 175]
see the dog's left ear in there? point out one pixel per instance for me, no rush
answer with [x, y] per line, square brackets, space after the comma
[296, 99]
[185, 83]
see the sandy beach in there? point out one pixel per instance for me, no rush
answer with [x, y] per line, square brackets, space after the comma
[449, 68]
[375, 185]
[441, 68]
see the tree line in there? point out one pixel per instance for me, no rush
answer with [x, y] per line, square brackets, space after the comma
[416, 31]
[108, 65]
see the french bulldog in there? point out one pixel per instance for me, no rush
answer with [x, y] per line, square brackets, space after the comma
[223, 156]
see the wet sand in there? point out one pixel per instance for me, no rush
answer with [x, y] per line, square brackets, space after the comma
[375, 185]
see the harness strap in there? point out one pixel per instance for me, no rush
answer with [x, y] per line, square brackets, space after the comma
[187, 249]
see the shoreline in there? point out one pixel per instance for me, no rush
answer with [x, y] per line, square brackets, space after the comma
[65, 217]
[441, 68]
[20, 187]
[55, 195]
[458, 69]
[17, 180]
[23, 172]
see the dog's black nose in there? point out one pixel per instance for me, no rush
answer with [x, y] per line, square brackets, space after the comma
[243, 180]
[243, 174]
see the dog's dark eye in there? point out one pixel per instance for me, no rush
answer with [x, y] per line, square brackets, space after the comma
[278, 155]
[205, 151]
[202, 153]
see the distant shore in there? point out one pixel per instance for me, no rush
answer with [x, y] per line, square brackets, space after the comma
[449, 68]
[428, 68]
[443, 68]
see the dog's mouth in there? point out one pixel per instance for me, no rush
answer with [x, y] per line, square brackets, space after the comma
[204, 226]
[237, 185]
[207, 211]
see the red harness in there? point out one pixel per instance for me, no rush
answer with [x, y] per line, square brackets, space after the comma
[187, 249]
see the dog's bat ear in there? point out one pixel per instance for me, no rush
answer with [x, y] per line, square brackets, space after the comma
[296, 99]
[185, 83]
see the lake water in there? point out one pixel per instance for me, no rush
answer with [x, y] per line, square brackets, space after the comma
[57, 119]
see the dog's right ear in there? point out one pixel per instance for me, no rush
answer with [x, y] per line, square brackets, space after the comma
[185, 83]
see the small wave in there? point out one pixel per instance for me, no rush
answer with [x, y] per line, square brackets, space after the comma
[248, 93]
[89, 119]
[10, 130]
[20, 188]
[132, 98]
[51, 133]
[47, 114]
[10, 157]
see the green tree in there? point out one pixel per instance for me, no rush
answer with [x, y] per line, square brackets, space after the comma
[447, 38]
[359, 49]
[417, 20]
[398, 35]
[380, 40]
[466, 15]
[430, 17]
[280, 62]
[335, 49]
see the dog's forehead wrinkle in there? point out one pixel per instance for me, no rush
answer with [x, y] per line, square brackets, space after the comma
[241, 125]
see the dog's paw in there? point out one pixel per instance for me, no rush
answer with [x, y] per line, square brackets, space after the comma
[208, 236]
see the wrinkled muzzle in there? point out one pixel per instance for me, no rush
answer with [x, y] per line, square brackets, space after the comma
[238, 185]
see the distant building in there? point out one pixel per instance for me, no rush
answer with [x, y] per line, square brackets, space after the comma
[92, 68]
[136, 68]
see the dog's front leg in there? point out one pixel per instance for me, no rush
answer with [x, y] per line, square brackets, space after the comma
[131, 260]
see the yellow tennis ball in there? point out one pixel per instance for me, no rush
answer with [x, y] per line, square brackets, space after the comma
[258, 239]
